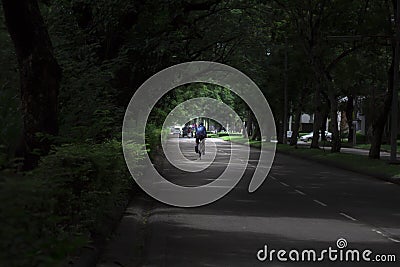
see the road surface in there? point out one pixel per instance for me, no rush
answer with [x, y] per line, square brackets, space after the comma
[302, 205]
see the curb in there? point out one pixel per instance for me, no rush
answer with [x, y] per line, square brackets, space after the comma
[126, 247]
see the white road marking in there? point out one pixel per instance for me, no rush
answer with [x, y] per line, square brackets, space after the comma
[347, 216]
[284, 184]
[301, 193]
[321, 203]
[386, 236]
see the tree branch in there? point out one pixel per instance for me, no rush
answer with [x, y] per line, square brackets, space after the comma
[342, 56]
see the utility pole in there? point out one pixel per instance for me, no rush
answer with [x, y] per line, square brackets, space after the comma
[394, 117]
[285, 106]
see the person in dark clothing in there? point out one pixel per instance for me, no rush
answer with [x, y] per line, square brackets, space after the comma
[201, 135]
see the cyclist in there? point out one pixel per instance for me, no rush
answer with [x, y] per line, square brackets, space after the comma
[201, 135]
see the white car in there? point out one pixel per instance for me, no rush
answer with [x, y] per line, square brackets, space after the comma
[176, 130]
[309, 136]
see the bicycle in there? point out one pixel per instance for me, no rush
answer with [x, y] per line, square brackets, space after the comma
[202, 147]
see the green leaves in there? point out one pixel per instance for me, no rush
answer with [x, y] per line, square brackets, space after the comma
[56, 209]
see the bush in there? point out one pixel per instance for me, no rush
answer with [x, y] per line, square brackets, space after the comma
[61, 205]
[361, 138]
[153, 136]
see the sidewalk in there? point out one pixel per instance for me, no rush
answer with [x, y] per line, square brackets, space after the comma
[364, 152]
[350, 150]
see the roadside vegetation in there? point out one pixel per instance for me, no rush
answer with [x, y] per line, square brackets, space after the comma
[67, 202]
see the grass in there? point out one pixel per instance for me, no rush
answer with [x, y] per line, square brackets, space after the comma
[242, 140]
[384, 147]
[349, 161]
[222, 134]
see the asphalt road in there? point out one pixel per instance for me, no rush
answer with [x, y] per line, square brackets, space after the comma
[302, 205]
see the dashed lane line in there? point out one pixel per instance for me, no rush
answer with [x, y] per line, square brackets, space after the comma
[321, 203]
[301, 193]
[347, 216]
[341, 213]
[386, 236]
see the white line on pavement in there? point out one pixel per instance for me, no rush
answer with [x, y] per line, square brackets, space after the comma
[347, 216]
[282, 183]
[321, 203]
[301, 193]
[385, 235]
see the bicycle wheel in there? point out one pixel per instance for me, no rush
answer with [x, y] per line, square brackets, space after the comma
[202, 146]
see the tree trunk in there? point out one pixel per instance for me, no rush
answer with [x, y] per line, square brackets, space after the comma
[279, 128]
[317, 115]
[379, 122]
[324, 116]
[249, 125]
[335, 142]
[349, 117]
[40, 76]
[256, 133]
[296, 126]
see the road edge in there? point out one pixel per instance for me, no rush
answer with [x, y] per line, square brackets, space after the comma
[89, 255]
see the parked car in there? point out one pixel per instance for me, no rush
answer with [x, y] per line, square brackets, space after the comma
[176, 130]
[309, 136]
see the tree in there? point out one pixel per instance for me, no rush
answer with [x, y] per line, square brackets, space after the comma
[315, 21]
[380, 120]
[40, 77]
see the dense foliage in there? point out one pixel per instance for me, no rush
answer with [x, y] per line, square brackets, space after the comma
[61, 205]
[339, 58]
